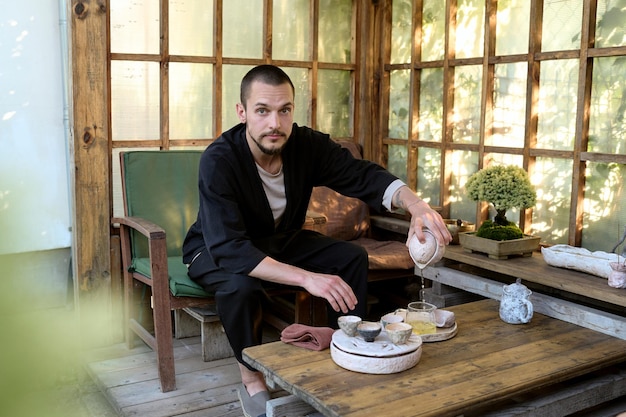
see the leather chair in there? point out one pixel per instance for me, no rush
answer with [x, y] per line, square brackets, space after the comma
[349, 219]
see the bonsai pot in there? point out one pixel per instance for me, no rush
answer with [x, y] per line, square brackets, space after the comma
[499, 249]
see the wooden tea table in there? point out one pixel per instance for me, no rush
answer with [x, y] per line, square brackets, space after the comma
[483, 368]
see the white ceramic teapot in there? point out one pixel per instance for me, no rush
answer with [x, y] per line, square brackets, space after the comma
[427, 253]
[515, 305]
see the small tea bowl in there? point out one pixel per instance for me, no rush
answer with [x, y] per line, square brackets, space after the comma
[390, 318]
[348, 324]
[368, 330]
[399, 333]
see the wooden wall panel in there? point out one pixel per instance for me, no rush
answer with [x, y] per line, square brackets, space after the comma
[91, 252]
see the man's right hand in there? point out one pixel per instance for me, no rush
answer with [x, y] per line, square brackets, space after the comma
[333, 289]
[329, 287]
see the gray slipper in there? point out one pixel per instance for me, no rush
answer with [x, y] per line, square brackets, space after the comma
[253, 406]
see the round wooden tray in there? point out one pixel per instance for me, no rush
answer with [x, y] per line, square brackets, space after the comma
[443, 333]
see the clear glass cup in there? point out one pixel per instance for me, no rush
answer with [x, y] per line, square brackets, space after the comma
[421, 316]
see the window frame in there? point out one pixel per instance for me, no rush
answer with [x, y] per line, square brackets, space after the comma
[219, 62]
[579, 155]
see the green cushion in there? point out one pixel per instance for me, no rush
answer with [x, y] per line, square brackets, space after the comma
[180, 283]
[162, 186]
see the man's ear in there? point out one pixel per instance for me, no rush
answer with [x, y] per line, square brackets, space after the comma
[241, 112]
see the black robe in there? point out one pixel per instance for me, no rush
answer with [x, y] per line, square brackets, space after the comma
[235, 225]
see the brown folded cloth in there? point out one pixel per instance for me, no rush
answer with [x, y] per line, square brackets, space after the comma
[308, 337]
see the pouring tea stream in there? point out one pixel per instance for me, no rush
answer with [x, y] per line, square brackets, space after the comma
[424, 254]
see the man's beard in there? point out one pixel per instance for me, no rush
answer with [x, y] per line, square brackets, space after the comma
[265, 150]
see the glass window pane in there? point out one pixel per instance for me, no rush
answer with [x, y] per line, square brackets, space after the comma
[433, 30]
[509, 105]
[231, 82]
[335, 31]
[561, 24]
[470, 30]
[302, 84]
[135, 98]
[334, 105]
[607, 120]
[243, 40]
[512, 27]
[191, 27]
[611, 24]
[466, 112]
[401, 22]
[191, 101]
[558, 89]
[431, 105]
[291, 27]
[552, 179]
[397, 161]
[399, 95]
[604, 205]
[462, 164]
[429, 175]
[134, 27]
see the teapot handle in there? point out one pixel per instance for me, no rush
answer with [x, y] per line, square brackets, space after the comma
[529, 311]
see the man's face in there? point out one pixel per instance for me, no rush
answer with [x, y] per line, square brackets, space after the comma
[268, 116]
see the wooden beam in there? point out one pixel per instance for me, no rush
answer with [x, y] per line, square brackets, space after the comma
[90, 151]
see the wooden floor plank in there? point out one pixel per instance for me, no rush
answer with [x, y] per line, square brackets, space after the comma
[129, 380]
[199, 381]
[194, 401]
[110, 376]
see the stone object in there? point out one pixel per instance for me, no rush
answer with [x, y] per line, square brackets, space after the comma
[579, 259]
[617, 277]
[378, 357]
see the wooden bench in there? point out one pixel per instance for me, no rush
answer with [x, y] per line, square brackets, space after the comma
[565, 294]
[214, 341]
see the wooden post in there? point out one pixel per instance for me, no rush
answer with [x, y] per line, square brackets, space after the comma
[90, 152]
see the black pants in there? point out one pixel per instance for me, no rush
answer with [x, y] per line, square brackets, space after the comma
[240, 298]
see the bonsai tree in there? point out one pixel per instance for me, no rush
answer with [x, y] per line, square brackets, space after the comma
[504, 187]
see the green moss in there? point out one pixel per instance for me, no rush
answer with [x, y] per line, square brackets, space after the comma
[490, 230]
